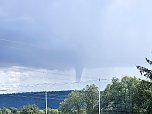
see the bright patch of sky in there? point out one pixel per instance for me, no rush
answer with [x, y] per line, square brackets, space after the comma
[21, 79]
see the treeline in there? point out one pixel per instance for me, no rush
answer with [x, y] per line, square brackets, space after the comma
[29, 109]
[128, 95]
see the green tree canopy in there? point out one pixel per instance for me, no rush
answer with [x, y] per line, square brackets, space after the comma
[30, 109]
[91, 98]
[73, 104]
[142, 98]
[128, 95]
[81, 100]
[116, 98]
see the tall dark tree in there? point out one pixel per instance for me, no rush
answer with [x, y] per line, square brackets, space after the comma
[144, 90]
[91, 98]
[117, 97]
[73, 104]
[127, 96]
[30, 109]
[142, 98]
[81, 102]
[146, 71]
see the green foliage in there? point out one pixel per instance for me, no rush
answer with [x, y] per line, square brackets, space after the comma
[42, 111]
[81, 102]
[117, 96]
[73, 104]
[30, 109]
[14, 110]
[91, 98]
[142, 98]
[145, 71]
[5, 111]
[144, 91]
[128, 95]
[52, 111]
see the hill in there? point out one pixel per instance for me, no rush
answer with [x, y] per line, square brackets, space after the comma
[18, 100]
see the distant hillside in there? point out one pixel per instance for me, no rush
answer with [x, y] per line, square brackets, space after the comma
[18, 100]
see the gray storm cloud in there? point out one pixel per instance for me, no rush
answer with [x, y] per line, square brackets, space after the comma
[74, 34]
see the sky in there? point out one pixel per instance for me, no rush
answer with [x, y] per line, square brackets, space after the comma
[55, 41]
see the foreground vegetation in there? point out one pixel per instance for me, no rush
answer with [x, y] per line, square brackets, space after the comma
[29, 109]
[128, 95]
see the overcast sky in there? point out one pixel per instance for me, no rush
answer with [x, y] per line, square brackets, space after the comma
[98, 38]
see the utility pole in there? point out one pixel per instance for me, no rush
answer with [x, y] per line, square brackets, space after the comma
[99, 98]
[45, 102]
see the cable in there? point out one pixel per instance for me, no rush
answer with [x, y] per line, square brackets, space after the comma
[41, 84]
[64, 83]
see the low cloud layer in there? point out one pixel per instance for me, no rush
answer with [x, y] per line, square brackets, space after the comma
[22, 79]
[74, 34]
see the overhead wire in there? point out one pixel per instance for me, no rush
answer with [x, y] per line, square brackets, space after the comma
[50, 84]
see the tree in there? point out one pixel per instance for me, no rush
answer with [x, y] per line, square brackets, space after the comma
[117, 97]
[30, 109]
[14, 110]
[91, 98]
[52, 111]
[142, 98]
[145, 90]
[145, 71]
[5, 111]
[73, 104]
[128, 95]
[81, 102]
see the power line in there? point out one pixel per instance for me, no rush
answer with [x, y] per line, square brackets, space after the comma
[49, 84]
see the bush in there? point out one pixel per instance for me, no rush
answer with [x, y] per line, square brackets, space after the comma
[53, 111]
[30, 109]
